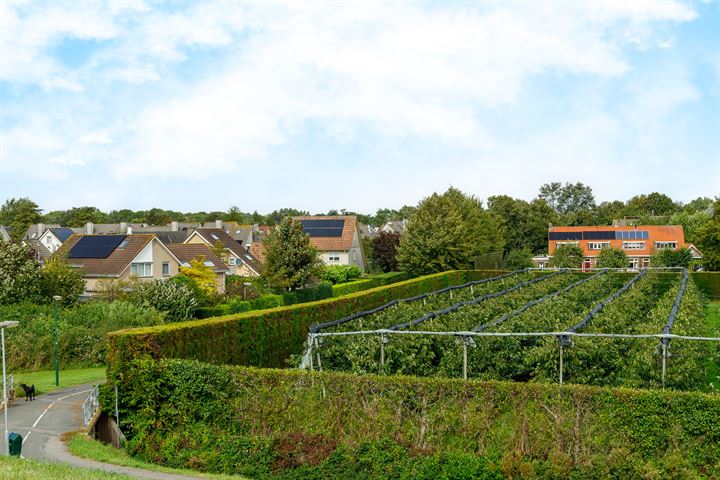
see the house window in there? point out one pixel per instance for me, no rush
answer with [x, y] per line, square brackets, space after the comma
[633, 245]
[166, 268]
[334, 257]
[598, 245]
[232, 260]
[646, 262]
[665, 245]
[564, 244]
[141, 269]
[215, 237]
[634, 263]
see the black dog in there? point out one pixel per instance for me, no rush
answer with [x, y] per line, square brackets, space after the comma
[29, 392]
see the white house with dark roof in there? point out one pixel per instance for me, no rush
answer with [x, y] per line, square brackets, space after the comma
[237, 257]
[53, 238]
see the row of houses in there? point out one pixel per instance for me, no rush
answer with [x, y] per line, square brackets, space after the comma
[640, 243]
[122, 251]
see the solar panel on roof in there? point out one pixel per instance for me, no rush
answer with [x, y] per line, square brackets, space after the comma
[95, 246]
[599, 235]
[565, 235]
[323, 228]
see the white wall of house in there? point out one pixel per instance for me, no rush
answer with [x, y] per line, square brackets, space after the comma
[50, 241]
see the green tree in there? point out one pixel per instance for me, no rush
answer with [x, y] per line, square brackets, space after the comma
[525, 225]
[19, 273]
[612, 258]
[19, 214]
[653, 204]
[157, 216]
[447, 232]
[59, 279]
[290, 261]
[569, 198]
[519, 259]
[383, 251]
[680, 257]
[708, 239]
[201, 274]
[568, 256]
[79, 216]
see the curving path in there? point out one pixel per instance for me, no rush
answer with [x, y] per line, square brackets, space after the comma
[43, 421]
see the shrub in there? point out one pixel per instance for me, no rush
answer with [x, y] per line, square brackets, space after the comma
[238, 305]
[19, 273]
[308, 294]
[169, 297]
[383, 250]
[612, 258]
[672, 258]
[341, 273]
[266, 337]
[59, 279]
[568, 256]
[351, 287]
[519, 259]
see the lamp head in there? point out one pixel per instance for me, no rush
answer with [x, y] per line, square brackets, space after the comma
[57, 298]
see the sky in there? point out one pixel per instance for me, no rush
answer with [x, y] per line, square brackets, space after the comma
[194, 106]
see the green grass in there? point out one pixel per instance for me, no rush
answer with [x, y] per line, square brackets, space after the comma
[44, 381]
[83, 446]
[713, 330]
[20, 469]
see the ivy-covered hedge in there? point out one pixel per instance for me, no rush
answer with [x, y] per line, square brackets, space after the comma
[263, 338]
[297, 424]
[708, 283]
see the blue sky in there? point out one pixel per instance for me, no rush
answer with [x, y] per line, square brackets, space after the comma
[200, 106]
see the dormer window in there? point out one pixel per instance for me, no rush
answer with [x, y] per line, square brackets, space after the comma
[215, 237]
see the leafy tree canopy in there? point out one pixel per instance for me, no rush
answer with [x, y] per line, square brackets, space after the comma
[290, 261]
[568, 256]
[519, 259]
[59, 279]
[19, 273]
[19, 214]
[568, 198]
[447, 232]
[612, 258]
[383, 251]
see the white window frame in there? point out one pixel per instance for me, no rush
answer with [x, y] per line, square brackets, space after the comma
[166, 269]
[633, 245]
[232, 261]
[598, 245]
[672, 245]
[634, 263]
[334, 257]
[141, 269]
[564, 244]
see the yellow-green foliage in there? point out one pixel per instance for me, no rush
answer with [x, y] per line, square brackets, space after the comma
[201, 274]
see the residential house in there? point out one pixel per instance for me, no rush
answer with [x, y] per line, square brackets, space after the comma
[187, 252]
[5, 233]
[638, 242]
[337, 238]
[237, 257]
[118, 257]
[393, 226]
[54, 237]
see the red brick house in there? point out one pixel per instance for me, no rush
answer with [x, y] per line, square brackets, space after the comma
[638, 242]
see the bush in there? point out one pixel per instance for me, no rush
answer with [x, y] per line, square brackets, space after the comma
[266, 337]
[82, 331]
[672, 258]
[568, 256]
[238, 305]
[341, 273]
[177, 301]
[519, 259]
[612, 258]
[19, 273]
[351, 287]
[59, 279]
[297, 424]
[308, 294]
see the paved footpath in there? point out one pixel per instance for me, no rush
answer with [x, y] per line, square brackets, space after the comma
[43, 421]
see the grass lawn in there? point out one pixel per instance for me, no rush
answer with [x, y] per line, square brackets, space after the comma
[713, 330]
[44, 380]
[83, 446]
[19, 468]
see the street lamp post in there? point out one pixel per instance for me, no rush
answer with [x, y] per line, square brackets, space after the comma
[3, 326]
[56, 299]
[245, 285]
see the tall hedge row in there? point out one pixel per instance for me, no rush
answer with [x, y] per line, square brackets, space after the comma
[269, 423]
[708, 283]
[263, 338]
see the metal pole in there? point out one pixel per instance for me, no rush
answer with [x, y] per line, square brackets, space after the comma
[382, 351]
[57, 354]
[664, 359]
[317, 347]
[561, 364]
[464, 358]
[7, 443]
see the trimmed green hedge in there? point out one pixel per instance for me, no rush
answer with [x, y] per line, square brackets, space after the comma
[351, 287]
[297, 424]
[263, 338]
[708, 283]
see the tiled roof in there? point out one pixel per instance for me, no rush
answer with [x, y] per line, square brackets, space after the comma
[342, 243]
[257, 250]
[170, 237]
[114, 264]
[190, 251]
[248, 258]
[214, 235]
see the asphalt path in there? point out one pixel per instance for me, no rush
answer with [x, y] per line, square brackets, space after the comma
[43, 421]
